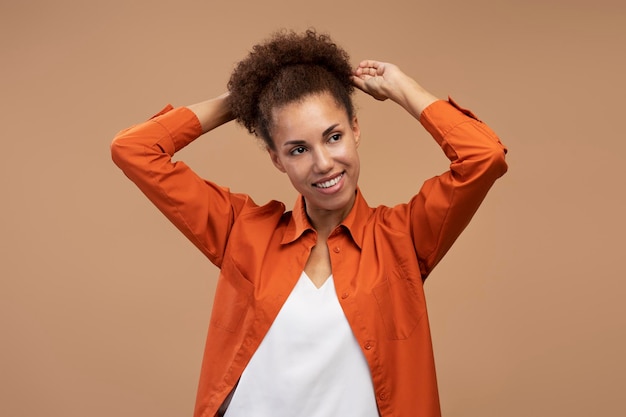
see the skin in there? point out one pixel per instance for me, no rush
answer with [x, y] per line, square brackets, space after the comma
[315, 142]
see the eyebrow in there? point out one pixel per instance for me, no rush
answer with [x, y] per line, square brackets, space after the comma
[303, 142]
[330, 129]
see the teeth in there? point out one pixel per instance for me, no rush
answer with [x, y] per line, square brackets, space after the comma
[329, 183]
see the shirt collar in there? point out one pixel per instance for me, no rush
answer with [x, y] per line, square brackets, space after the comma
[354, 222]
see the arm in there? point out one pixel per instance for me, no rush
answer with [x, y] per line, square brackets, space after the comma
[203, 211]
[446, 203]
[212, 113]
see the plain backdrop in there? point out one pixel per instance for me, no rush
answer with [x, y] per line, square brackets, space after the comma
[104, 306]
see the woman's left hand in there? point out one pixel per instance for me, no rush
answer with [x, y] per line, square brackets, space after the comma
[376, 78]
[383, 81]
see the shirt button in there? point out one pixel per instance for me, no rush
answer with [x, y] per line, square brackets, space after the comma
[383, 395]
[345, 295]
[336, 249]
[368, 346]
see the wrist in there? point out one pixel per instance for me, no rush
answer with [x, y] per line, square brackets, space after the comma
[213, 113]
[413, 97]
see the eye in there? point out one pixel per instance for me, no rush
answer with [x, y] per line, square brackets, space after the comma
[299, 150]
[335, 138]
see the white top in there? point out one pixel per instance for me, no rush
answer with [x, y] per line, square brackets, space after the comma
[309, 364]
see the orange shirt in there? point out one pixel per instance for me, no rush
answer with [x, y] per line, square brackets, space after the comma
[380, 256]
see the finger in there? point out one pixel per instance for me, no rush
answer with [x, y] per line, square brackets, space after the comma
[358, 83]
[369, 63]
[364, 73]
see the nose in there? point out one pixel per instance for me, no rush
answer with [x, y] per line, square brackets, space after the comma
[323, 160]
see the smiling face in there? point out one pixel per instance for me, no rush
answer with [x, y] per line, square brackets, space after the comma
[315, 144]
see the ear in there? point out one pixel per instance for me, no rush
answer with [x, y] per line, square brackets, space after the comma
[276, 160]
[356, 131]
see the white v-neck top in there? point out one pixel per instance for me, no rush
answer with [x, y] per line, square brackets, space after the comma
[309, 363]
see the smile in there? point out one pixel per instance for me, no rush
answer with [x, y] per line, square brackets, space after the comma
[329, 183]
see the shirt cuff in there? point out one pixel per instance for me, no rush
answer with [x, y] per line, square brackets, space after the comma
[442, 116]
[182, 127]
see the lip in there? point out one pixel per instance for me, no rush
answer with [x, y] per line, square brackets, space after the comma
[333, 188]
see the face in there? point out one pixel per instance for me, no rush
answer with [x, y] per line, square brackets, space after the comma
[316, 146]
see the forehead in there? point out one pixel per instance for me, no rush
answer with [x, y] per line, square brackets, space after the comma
[313, 113]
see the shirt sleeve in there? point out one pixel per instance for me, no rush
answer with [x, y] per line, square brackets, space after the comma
[203, 211]
[446, 203]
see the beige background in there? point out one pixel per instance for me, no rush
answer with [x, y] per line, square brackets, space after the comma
[104, 305]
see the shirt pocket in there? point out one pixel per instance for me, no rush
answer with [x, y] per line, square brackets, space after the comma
[401, 305]
[233, 297]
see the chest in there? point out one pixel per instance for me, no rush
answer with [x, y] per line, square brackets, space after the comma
[318, 267]
[380, 274]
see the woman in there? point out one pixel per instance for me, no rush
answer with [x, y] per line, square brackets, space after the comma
[318, 311]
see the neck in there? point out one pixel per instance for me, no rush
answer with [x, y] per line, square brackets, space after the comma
[325, 221]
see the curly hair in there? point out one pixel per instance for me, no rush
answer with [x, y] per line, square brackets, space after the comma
[285, 69]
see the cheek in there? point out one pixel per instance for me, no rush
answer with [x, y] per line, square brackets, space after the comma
[295, 173]
[350, 154]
